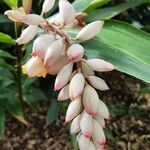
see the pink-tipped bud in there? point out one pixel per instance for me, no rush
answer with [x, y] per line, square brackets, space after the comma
[64, 93]
[92, 146]
[34, 67]
[76, 86]
[54, 52]
[27, 5]
[27, 34]
[98, 133]
[90, 30]
[66, 12]
[15, 14]
[56, 67]
[86, 125]
[90, 100]
[103, 110]
[75, 53]
[84, 142]
[63, 76]
[75, 125]
[74, 109]
[98, 146]
[32, 19]
[86, 69]
[47, 5]
[100, 65]
[41, 44]
[98, 83]
[100, 120]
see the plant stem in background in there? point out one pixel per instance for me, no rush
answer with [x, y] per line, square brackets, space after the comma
[19, 69]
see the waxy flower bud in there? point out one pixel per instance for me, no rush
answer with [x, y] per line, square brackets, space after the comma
[63, 76]
[86, 125]
[100, 120]
[90, 30]
[34, 67]
[47, 5]
[76, 86]
[74, 109]
[15, 14]
[92, 146]
[84, 142]
[32, 19]
[64, 93]
[98, 83]
[103, 110]
[75, 53]
[98, 133]
[86, 69]
[90, 100]
[54, 52]
[75, 125]
[27, 5]
[41, 44]
[66, 12]
[100, 65]
[27, 34]
[58, 65]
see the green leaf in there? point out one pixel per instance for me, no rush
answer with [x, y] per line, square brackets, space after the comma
[11, 3]
[109, 12]
[2, 120]
[5, 54]
[109, 134]
[53, 110]
[3, 64]
[4, 19]
[88, 5]
[124, 46]
[4, 38]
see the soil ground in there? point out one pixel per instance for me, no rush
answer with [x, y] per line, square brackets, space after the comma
[130, 124]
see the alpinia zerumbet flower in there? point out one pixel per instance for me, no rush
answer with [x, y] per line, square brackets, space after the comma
[90, 30]
[55, 53]
[35, 67]
[75, 53]
[27, 34]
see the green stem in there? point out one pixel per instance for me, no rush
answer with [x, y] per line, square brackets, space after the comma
[19, 69]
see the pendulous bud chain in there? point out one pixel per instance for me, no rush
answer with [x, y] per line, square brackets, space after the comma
[56, 53]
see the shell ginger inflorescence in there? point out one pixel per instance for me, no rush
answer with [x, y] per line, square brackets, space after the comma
[56, 53]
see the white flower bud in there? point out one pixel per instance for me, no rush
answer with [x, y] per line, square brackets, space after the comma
[15, 14]
[100, 120]
[84, 142]
[75, 53]
[86, 69]
[90, 30]
[86, 125]
[90, 100]
[27, 5]
[64, 93]
[54, 52]
[27, 34]
[98, 133]
[56, 67]
[32, 19]
[103, 110]
[47, 5]
[74, 109]
[66, 12]
[91, 146]
[63, 76]
[34, 67]
[75, 125]
[76, 86]
[100, 65]
[98, 83]
[41, 44]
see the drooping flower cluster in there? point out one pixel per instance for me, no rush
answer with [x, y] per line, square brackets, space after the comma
[55, 53]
